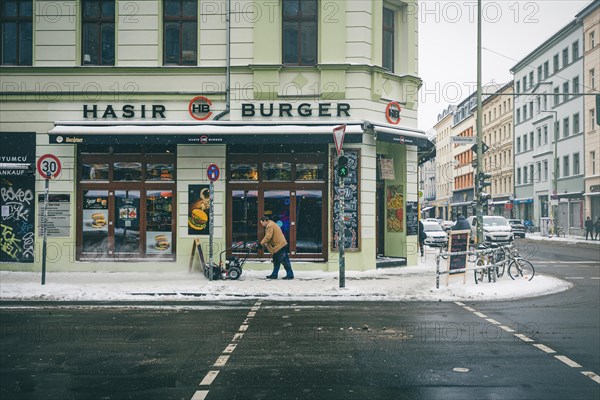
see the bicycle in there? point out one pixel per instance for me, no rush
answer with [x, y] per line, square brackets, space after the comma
[559, 231]
[489, 262]
[518, 267]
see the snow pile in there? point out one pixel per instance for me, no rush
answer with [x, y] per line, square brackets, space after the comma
[571, 239]
[391, 284]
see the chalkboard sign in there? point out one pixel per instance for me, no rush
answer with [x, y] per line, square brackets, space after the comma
[458, 241]
[351, 201]
[412, 218]
[17, 197]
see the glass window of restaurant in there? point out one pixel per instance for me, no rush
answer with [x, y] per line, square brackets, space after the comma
[126, 201]
[290, 187]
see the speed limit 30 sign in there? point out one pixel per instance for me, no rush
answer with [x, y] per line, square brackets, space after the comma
[48, 166]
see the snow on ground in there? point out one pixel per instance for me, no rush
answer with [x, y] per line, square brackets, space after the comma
[566, 239]
[415, 283]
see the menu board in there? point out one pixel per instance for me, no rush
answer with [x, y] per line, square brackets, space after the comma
[58, 223]
[17, 197]
[457, 242]
[351, 202]
[412, 218]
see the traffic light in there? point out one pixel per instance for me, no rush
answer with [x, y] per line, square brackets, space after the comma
[483, 180]
[342, 167]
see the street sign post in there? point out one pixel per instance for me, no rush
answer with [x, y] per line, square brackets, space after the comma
[48, 167]
[213, 173]
[342, 172]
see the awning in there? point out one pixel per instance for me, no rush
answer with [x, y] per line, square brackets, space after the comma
[592, 194]
[221, 132]
[464, 203]
[571, 194]
[499, 202]
[426, 208]
[523, 200]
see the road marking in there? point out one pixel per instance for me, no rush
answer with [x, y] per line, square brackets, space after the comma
[251, 314]
[492, 321]
[591, 262]
[238, 336]
[243, 328]
[221, 361]
[506, 328]
[523, 337]
[480, 314]
[209, 378]
[200, 395]
[544, 348]
[592, 376]
[568, 361]
[229, 349]
[574, 277]
[595, 277]
[458, 303]
[469, 309]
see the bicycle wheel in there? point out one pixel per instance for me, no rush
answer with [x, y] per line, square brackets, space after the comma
[521, 269]
[501, 263]
[478, 274]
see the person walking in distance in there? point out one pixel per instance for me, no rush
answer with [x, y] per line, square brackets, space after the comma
[422, 237]
[275, 242]
[597, 228]
[589, 228]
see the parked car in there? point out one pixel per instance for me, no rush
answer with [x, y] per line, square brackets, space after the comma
[495, 229]
[436, 237]
[447, 225]
[439, 221]
[517, 227]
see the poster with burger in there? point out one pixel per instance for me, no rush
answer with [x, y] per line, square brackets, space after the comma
[158, 242]
[199, 208]
[95, 211]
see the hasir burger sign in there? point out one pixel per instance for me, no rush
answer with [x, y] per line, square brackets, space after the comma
[198, 209]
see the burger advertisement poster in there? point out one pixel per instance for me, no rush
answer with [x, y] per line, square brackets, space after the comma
[199, 209]
[95, 212]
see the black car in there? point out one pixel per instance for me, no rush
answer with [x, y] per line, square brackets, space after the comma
[518, 228]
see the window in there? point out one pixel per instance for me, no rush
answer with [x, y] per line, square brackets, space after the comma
[539, 172]
[539, 73]
[518, 145]
[16, 32]
[518, 176]
[98, 32]
[546, 69]
[545, 170]
[388, 39]
[539, 105]
[576, 164]
[593, 161]
[557, 167]
[525, 180]
[518, 86]
[566, 127]
[525, 142]
[555, 63]
[531, 79]
[592, 40]
[592, 74]
[556, 96]
[300, 32]
[180, 19]
[531, 139]
[566, 166]
[525, 83]
[545, 134]
[592, 117]
[539, 135]
[565, 91]
[518, 116]
[576, 84]
[565, 57]
[575, 50]
[531, 109]
[575, 123]
[524, 112]
[531, 173]
[556, 130]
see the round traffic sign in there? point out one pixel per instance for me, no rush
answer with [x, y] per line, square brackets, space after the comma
[213, 172]
[49, 166]
[392, 112]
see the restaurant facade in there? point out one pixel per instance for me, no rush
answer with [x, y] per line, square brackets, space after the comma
[140, 132]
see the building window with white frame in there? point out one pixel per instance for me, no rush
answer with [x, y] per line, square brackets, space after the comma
[539, 171]
[525, 180]
[530, 78]
[545, 170]
[593, 161]
[576, 167]
[592, 39]
[539, 136]
[592, 75]
[555, 63]
[546, 69]
[565, 57]
[575, 123]
[575, 48]
[531, 140]
[16, 32]
[518, 176]
[576, 85]
[180, 32]
[556, 96]
[300, 20]
[592, 117]
[566, 168]
[389, 32]
[518, 145]
[565, 91]
[556, 130]
[545, 134]
[566, 127]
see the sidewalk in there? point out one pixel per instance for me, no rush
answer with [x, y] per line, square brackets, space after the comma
[571, 239]
[416, 283]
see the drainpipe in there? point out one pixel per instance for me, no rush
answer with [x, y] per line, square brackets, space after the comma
[227, 62]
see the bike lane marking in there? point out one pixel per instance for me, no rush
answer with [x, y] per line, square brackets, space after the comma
[566, 360]
[226, 353]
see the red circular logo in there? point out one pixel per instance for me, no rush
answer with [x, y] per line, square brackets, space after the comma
[203, 139]
[199, 108]
[392, 112]
[49, 166]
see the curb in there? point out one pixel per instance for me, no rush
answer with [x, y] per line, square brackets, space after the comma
[564, 243]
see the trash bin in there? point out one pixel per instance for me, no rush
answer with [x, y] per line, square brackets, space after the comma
[546, 226]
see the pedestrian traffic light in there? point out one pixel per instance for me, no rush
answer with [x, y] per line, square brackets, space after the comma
[342, 167]
[482, 180]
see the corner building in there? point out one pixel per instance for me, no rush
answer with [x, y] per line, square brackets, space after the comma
[138, 99]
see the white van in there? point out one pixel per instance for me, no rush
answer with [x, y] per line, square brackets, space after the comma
[495, 229]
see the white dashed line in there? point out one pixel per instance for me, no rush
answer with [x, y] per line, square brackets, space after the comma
[544, 348]
[574, 277]
[480, 315]
[238, 336]
[229, 349]
[568, 361]
[592, 376]
[221, 361]
[523, 337]
[492, 321]
[251, 314]
[200, 395]
[209, 378]
[243, 328]
[458, 303]
[595, 277]
[506, 328]
[469, 309]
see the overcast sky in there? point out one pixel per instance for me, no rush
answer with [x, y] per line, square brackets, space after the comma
[511, 29]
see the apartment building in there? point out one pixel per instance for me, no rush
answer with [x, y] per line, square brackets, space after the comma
[463, 125]
[549, 131]
[144, 102]
[590, 17]
[498, 159]
[444, 163]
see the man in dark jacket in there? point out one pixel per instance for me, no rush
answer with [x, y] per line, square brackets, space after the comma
[422, 237]
[461, 224]
[589, 228]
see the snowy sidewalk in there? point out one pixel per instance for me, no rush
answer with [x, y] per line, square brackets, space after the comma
[416, 283]
[571, 239]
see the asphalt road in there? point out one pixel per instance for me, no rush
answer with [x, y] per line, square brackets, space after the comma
[329, 350]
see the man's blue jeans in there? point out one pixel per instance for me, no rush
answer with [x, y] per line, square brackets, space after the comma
[282, 257]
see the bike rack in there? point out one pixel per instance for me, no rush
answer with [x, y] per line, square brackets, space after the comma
[476, 253]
